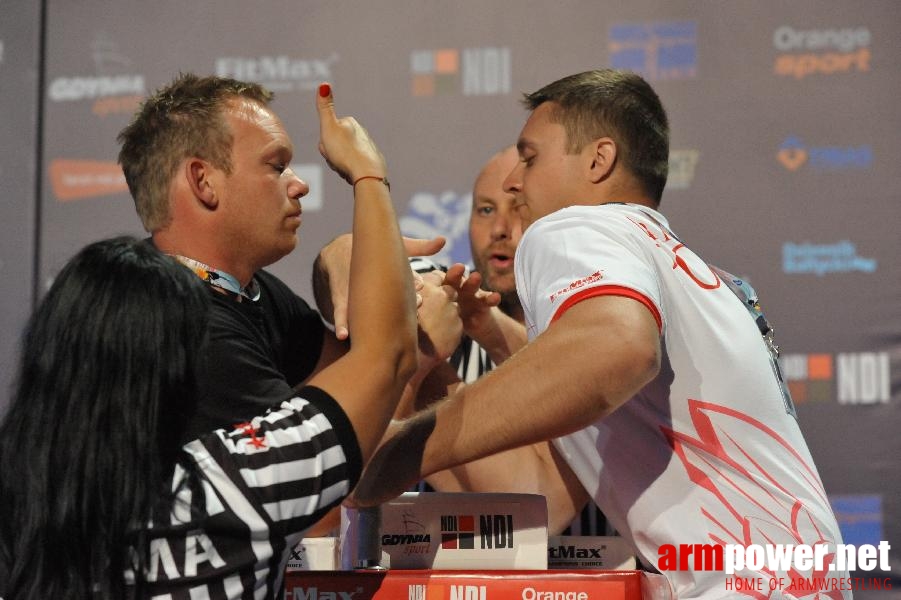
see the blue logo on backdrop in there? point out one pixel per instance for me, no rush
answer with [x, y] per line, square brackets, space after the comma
[794, 154]
[822, 259]
[446, 214]
[657, 51]
[859, 517]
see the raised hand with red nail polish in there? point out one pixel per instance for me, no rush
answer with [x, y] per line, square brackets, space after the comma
[345, 144]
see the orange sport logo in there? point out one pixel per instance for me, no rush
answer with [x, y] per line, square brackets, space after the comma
[806, 52]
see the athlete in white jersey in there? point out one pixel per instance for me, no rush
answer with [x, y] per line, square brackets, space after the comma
[703, 454]
[653, 377]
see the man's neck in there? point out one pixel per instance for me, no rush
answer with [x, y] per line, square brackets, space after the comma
[203, 254]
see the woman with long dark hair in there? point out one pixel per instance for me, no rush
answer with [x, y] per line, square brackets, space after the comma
[92, 432]
[99, 498]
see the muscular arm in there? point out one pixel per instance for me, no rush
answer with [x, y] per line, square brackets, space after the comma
[598, 354]
[368, 380]
[533, 469]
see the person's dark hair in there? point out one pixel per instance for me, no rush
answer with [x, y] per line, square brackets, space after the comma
[184, 119]
[618, 104]
[106, 383]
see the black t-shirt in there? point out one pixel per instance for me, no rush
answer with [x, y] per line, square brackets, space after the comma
[256, 353]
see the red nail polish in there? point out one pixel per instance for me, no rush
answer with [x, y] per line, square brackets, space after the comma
[324, 90]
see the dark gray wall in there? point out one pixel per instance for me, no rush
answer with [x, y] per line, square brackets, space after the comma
[19, 109]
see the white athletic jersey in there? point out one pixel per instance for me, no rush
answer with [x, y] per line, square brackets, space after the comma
[710, 451]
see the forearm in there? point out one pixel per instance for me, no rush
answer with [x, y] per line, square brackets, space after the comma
[599, 354]
[382, 305]
[500, 335]
[368, 380]
[429, 384]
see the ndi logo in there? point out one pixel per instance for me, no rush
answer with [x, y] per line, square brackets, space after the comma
[823, 51]
[860, 377]
[458, 531]
[794, 154]
[808, 376]
[472, 71]
[657, 51]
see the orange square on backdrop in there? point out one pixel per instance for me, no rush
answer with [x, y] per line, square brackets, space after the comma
[819, 366]
[798, 391]
[423, 85]
[447, 61]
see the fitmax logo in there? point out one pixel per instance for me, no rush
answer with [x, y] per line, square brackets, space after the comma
[573, 552]
[278, 73]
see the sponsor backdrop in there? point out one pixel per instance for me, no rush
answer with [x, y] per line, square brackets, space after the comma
[784, 131]
[20, 34]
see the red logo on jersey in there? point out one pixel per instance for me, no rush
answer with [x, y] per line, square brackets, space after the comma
[688, 261]
[578, 283]
[756, 506]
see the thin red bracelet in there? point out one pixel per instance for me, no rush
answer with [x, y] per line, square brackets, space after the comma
[379, 177]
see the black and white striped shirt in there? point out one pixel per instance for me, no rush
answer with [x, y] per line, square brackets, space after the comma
[244, 497]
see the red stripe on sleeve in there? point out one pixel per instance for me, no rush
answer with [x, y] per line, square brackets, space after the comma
[609, 290]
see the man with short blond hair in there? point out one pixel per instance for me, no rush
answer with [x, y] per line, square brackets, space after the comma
[207, 162]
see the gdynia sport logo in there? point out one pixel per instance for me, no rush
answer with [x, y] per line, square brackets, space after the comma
[782, 566]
